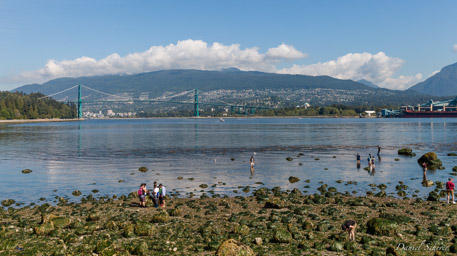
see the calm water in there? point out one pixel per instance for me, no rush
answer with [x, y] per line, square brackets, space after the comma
[96, 154]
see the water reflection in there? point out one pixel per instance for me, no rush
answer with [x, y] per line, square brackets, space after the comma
[107, 151]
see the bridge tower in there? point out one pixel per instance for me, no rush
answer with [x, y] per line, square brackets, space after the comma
[80, 114]
[196, 112]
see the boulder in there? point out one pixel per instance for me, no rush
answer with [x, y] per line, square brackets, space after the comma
[406, 152]
[143, 228]
[44, 229]
[336, 247]
[25, 171]
[282, 236]
[381, 226]
[431, 160]
[275, 203]
[397, 218]
[143, 169]
[293, 179]
[8, 202]
[427, 183]
[161, 217]
[129, 230]
[232, 247]
[76, 193]
[61, 222]
[433, 196]
[242, 230]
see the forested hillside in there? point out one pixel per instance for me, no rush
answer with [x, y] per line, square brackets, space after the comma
[22, 106]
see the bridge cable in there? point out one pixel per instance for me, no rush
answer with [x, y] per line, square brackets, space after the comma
[108, 94]
[47, 96]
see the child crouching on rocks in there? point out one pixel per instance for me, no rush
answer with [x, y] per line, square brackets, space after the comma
[350, 226]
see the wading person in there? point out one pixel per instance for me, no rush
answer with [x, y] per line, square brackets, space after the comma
[252, 162]
[372, 162]
[450, 190]
[142, 194]
[358, 160]
[349, 226]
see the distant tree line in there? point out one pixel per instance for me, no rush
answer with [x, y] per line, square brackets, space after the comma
[17, 105]
[333, 110]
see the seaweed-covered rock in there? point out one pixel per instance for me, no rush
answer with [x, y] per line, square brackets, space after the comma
[44, 229]
[282, 236]
[381, 226]
[25, 171]
[427, 183]
[242, 230]
[161, 217]
[143, 228]
[61, 222]
[8, 202]
[76, 193]
[293, 179]
[141, 249]
[232, 247]
[406, 152]
[433, 196]
[431, 160]
[175, 212]
[400, 219]
[275, 203]
[336, 247]
[143, 169]
[452, 154]
[129, 230]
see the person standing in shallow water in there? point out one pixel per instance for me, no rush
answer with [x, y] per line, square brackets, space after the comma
[252, 162]
[358, 160]
[373, 162]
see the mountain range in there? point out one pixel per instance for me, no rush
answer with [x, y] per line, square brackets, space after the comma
[443, 83]
[230, 86]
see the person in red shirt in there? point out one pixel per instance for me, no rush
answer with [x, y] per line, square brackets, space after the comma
[450, 190]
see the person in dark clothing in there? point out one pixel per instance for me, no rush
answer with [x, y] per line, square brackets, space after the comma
[358, 160]
[350, 226]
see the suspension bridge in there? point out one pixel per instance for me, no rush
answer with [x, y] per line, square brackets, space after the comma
[122, 99]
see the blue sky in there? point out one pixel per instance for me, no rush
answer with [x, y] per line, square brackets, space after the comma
[394, 44]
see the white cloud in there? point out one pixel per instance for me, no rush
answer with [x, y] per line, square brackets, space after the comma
[455, 47]
[187, 54]
[285, 51]
[377, 68]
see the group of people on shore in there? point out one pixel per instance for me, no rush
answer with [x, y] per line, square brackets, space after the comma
[156, 194]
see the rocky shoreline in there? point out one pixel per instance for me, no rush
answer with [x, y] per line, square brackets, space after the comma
[270, 222]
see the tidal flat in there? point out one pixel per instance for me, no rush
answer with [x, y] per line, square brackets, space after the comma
[270, 222]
